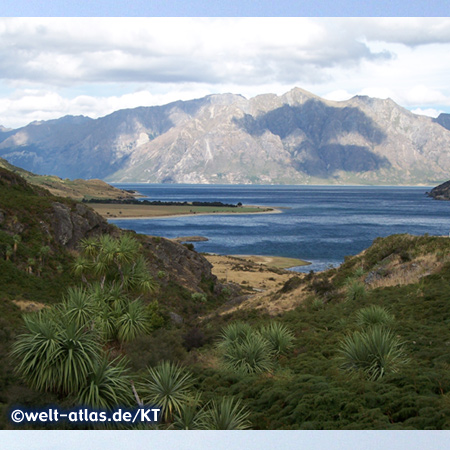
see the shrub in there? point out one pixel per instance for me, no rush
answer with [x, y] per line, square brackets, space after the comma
[374, 315]
[169, 387]
[375, 352]
[355, 290]
[226, 414]
[279, 337]
[252, 354]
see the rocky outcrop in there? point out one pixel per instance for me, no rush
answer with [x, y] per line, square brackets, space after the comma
[70, 225]
[441, 192]
[294, 138]
[176, 262]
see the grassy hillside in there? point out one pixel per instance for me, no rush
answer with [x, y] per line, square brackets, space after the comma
[76, 189]
[39, 248]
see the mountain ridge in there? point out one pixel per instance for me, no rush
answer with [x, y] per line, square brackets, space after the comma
[294, 138]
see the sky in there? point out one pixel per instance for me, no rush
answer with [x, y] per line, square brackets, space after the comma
[224, 8]
[56, 66]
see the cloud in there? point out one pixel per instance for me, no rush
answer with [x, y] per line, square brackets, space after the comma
[430, 112]
[56, 66]
[66, 51]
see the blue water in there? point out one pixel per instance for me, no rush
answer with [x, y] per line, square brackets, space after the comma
[321, 224]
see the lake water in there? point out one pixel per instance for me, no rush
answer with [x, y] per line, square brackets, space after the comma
[320, 224]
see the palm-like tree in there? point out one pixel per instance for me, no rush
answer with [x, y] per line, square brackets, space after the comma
[253, 354]
[79, 351]
[79, 306]
[233, 333]
[191, 415]
[374, 315]
[36, 350]
[55, 354]
[81, 267]
[16, 241]
[133, 322]
[136, 277]
[168, 386]
[107, 386]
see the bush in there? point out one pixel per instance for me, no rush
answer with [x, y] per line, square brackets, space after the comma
[374, 315]
[279, 337]
[355, 291]
[375, 352]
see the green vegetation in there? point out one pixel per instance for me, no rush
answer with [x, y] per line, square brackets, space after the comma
[367, 347]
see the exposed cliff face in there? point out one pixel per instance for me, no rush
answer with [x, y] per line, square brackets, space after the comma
[186, 267]
[294, 138]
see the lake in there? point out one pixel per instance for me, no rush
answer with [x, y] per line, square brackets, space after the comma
[320, 224]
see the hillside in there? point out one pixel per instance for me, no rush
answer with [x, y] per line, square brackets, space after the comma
[295, 138]
[292, 362]
[39, 246]
[76, 189]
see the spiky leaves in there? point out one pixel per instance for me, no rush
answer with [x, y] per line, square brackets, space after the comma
[375, 351]
[191, 415]
[79, 306]
[109, 259]
[279, 337]
[168, 386]
[226, 414]
[133, 322]
[248, 350]
[55, 355]
[252, 354]
[107, 386]
[374, 315]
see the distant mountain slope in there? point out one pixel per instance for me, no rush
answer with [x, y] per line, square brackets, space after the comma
[444, 120]
[294, 138]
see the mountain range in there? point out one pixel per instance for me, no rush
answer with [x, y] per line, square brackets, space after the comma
[295, 138]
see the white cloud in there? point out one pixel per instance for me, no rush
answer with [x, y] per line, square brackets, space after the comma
[430, 112]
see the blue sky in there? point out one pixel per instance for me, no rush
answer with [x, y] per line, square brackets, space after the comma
[222, 8]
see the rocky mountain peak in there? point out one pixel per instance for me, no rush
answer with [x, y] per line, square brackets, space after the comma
[297, 137]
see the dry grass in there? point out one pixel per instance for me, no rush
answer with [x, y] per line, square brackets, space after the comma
[262, 281]
[401, 274]
[28, 306]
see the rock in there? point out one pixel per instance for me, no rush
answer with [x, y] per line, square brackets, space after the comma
[176, 318]
[70, 226]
